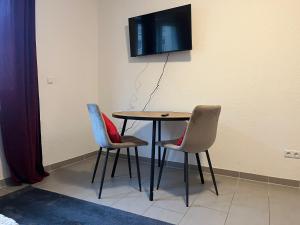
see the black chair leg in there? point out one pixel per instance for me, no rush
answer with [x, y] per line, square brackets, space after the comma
[103, 173]
[184, 175]
[118, 151]
[115, 163]
[186, 172]
[96, 165]
[212, 172]
[161, 167]
[199, 168]
[138, 167]
[129, 163]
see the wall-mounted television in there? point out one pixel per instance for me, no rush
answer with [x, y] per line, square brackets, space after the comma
[160, 32]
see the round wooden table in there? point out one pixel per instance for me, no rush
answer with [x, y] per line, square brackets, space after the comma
[155, 117]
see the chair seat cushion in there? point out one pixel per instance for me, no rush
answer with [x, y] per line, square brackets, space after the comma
[112, 130]
[129, 141]
[170, 144]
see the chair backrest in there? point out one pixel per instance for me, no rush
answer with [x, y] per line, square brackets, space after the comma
[202, 128]
[98, 125]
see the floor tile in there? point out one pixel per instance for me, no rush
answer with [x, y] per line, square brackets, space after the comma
[226, 185]
[136, 203]
[3, 192]
[176, 204]
[258, 188]
[247, 216]
[107, 200]
[278, 193]
[252, 194]
[164, 215]
[208, 199]
[284, 214]
[246, 201]
[203, 216]
[75, 181]
[10, 189]
[284, 205]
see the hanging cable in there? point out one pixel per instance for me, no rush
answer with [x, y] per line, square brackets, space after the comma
[154, 90]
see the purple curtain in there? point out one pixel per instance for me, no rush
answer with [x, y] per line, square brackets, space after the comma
[19, 96]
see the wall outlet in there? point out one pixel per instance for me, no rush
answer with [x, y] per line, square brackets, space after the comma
[297, 155]
[292, 154]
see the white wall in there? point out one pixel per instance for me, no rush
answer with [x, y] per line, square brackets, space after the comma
[67, 50]
[245, 57]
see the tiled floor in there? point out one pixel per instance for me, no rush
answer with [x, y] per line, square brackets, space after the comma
[240, 201]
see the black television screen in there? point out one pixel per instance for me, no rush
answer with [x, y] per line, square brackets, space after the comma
[165, 31]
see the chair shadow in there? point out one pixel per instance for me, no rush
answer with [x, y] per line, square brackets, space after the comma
[82, 178]
[73, 176]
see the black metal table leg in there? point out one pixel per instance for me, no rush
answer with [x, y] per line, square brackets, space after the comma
[159, 139]
[152, 160]
[124, 127]
[129, 163]
[118, 151]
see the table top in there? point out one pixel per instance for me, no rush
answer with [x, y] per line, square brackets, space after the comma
[152, 115]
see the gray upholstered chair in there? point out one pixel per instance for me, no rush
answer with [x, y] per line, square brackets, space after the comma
[103, 140]
[199, 137]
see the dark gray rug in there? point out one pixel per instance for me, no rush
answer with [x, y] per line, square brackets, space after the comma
[32, 206]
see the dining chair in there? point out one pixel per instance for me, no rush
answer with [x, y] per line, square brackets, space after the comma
[102, 139]
[199, 137]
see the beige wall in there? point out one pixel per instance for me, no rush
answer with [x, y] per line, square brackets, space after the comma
[67, 51]
[245, 57]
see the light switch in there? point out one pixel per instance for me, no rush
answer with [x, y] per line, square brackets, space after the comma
[50, 80]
